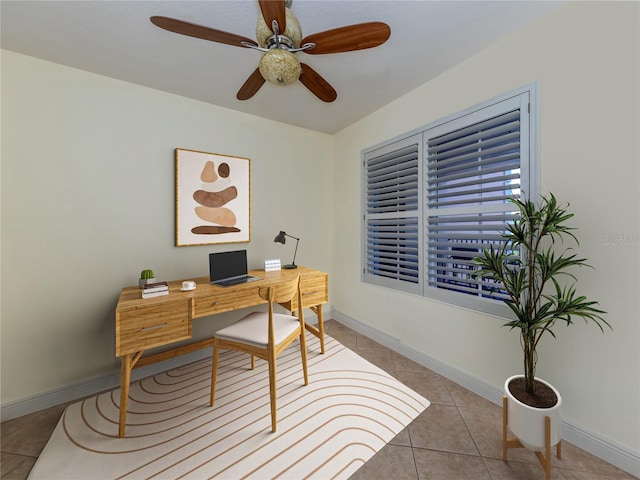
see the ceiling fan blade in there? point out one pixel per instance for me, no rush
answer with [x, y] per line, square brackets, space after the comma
[316, 84]
[347, 39]
[198, 31]
[251, 86]
[274, 10]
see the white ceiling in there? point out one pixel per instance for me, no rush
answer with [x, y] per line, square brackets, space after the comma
[115, 38]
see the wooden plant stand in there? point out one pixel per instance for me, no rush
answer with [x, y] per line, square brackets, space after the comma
[507, 443]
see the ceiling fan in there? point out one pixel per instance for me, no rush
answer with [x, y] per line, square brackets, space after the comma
[279, 37]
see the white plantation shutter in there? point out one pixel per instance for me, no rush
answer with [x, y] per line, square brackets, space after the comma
[453, 242]
[391, 214]
[472, 169]
[432, 201]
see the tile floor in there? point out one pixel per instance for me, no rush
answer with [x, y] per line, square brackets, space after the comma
[458, 437]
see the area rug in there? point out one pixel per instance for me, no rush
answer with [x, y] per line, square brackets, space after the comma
[326, 430]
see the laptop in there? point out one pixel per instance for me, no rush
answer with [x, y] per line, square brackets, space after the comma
[229, 268]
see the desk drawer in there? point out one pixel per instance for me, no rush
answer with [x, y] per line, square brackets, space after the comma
[314, 290]
[228, 300]
[152, 326]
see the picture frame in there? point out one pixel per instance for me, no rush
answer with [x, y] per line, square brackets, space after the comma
[213, 198]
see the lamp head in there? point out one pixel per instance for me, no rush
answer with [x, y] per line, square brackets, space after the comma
[280, 238]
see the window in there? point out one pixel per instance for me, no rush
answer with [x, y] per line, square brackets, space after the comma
[435, 198]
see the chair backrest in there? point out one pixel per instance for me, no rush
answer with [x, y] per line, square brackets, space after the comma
[282, 292]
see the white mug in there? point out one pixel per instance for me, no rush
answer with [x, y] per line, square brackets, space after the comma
[188, 285]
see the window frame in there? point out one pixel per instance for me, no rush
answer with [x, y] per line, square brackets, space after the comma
[526, 97]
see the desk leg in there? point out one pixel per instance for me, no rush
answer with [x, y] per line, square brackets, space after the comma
[321, 327]
[125, 380]
[318, 332]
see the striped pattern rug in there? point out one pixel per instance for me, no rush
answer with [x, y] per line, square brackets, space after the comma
[326, 430]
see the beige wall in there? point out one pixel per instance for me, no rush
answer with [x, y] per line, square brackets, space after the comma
[88, 202]
[586, 57]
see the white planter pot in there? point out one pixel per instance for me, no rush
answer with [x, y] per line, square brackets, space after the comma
[528, 423]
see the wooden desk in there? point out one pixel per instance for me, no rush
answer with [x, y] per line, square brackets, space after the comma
[142, 324]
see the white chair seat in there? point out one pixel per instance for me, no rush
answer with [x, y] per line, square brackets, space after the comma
[252, 329]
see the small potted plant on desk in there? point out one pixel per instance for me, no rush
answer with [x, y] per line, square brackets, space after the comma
[146, 276]
[527, 268]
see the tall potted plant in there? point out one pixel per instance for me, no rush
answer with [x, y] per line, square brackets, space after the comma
[532, 273]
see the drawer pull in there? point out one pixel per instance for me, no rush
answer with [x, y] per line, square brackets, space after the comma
[155, 327]
[309, 293]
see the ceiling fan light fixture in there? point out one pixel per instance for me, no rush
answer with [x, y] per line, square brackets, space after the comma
[280, 67]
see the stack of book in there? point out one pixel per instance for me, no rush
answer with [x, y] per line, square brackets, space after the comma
[155, 289]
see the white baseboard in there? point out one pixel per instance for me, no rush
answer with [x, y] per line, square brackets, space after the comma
[87, 388]
[76, 391]
[622, 457]
[618, 455]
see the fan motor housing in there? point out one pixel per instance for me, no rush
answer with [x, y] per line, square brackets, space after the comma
[292, 32]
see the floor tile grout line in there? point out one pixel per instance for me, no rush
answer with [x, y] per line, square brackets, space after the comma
[413, 453]
[466, 426]
[20, 454]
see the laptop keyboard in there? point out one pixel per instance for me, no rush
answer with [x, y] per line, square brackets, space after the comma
[232, 281]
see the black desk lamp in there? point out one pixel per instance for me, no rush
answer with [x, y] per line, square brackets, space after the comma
[281, 239]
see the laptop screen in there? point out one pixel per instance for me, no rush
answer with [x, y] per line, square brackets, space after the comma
[224, 265]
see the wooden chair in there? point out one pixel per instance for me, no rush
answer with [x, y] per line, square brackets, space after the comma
[265, 335]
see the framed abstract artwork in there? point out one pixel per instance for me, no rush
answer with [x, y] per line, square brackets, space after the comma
[213, 198]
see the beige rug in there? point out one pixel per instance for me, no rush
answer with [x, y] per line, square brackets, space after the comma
[326, 430]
